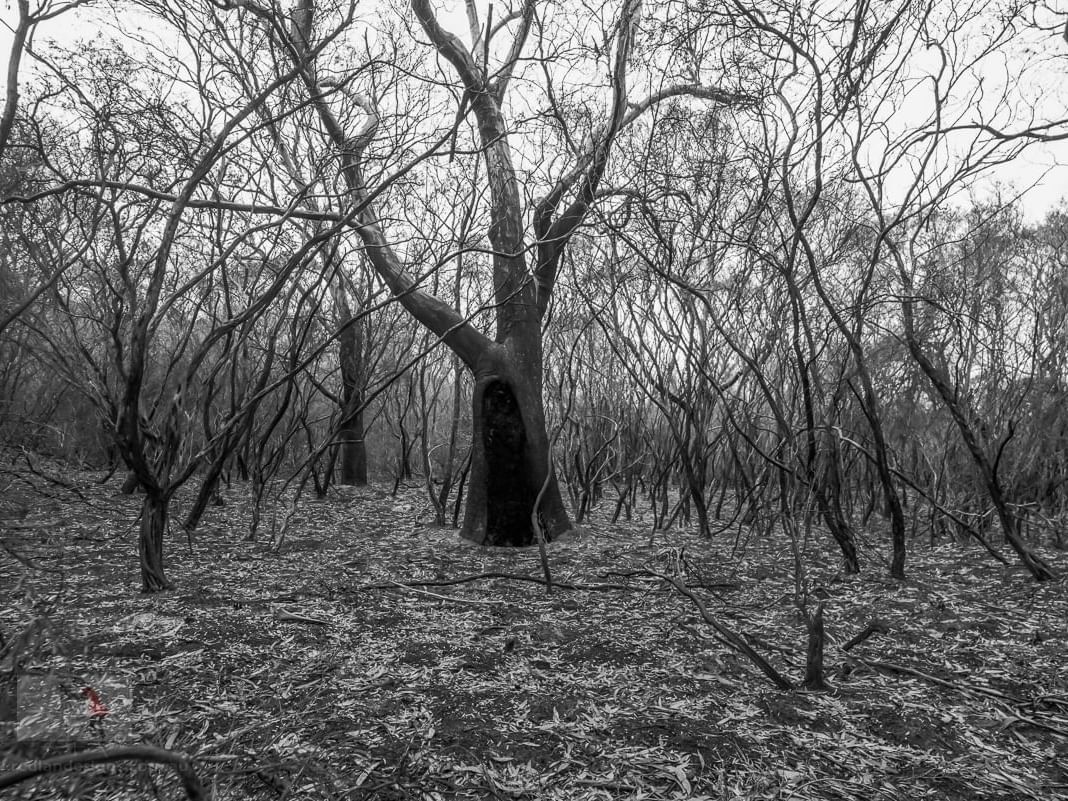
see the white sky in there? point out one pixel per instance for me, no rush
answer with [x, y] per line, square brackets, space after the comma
[1042, 172]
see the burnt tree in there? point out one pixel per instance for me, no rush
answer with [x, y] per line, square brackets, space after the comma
[511, 460]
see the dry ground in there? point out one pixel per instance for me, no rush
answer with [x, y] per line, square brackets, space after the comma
[330, 668]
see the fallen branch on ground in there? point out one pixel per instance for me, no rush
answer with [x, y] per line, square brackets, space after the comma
[181, 764]
[479, 576]
[727, 636]
[999, 697]
[472, 601]
[563, 585]
[890, 667]
[875, 627]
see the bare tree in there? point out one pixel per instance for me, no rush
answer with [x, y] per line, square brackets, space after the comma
[511, 465]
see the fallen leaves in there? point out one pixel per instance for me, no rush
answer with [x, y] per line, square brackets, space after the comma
[368, 661]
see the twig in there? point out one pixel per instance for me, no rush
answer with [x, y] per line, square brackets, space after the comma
[67, 485]
[715, 585]
[475, 601]
[875, 627]
[28, 561]
[534, 521]
[480, 576]
[732, 639]
[285, 616]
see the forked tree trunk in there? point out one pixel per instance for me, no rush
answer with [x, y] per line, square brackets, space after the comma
[829, 499]
[509, 459]
[150, 542]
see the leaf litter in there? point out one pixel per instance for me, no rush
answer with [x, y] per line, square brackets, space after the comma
[374, 656]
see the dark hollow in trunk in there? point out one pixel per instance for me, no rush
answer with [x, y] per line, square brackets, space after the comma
[509, 495]
[509, 459]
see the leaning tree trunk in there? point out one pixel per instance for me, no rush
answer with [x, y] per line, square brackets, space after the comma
[208, 493]
[509, 457]
[829, 499]
[150, 542]
[1039, 569]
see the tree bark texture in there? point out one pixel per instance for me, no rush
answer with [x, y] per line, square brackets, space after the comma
[814, 679]
[509, 459]
[350, 435]
[150, 542]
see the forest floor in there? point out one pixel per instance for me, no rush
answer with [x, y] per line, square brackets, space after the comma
[356, 662]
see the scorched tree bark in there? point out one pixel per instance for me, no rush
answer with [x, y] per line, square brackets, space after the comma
[511, 460]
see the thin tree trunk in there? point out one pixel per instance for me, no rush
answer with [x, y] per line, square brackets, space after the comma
[150, 542]
[447, 477]
[814, 679]
[351, 434]
[208, 492]
[1037, 566]
[1034, 563]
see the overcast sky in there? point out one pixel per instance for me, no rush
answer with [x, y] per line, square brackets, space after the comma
[1042, 171]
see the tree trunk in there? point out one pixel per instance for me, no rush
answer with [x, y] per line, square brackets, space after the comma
[509, 458]
[1039, 569]
[814, 653]
[511, 464]
[447, 477]
[831, 512]
[150, 542]
[886, 479]
[207, 494]
[350, 433]
[131, 485]
[353, 455]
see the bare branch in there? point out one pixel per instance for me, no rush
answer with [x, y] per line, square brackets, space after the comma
[441, 318]
[194, 203]
[450, 47]
[553, 234]
[713, 93]
[18, 44]
[191, 783]
[504, 74]
[473, 24]
[726, 636]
